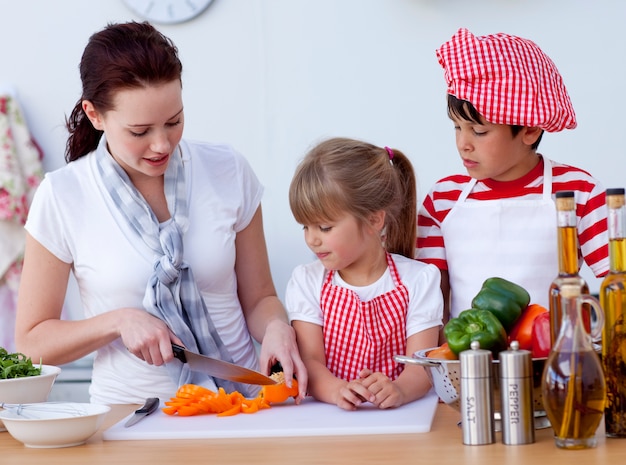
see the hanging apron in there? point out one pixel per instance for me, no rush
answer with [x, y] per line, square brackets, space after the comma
[360, 335]
[510, 238]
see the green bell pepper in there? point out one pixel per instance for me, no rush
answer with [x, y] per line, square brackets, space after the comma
[505, 299]
[475, 325]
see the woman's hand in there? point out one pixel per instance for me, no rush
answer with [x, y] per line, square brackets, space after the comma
[265, 315]
[146, 336]
[279, 344]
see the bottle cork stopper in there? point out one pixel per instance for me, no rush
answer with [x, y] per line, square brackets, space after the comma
[565, 200]
[615, 198]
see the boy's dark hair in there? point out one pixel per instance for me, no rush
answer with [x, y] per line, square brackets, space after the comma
[465, 110]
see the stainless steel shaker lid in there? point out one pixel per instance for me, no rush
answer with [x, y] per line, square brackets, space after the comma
[476, 362]
[515, 362]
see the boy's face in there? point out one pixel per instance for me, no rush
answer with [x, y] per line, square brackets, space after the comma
[490, 151]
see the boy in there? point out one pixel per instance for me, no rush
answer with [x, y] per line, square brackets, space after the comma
[500, 218]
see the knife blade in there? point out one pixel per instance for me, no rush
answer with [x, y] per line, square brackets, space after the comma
[150, 406]
[220, 368]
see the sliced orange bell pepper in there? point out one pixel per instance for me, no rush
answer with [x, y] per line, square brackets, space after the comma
[191, 399]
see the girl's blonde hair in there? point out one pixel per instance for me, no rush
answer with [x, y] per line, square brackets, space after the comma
[342, 175]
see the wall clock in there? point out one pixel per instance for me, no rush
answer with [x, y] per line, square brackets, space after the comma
[167, 11]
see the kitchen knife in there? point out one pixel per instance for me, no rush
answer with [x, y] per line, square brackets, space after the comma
[150, 406]
[220, 368]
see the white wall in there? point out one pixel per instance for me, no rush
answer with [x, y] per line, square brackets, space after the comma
[272, 77]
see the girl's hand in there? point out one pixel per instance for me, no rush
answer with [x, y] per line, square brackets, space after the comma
[279, 344]
[386, 393]
[146, 336]
[353, 394]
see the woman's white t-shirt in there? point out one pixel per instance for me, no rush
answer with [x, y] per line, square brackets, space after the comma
[72, 218]
[425, 310]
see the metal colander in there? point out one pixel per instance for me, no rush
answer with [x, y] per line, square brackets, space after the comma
[445, 376]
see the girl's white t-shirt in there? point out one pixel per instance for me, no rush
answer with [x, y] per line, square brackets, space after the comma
[425, 310]
[72, 218]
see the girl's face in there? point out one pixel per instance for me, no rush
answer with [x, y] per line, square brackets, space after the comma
[344, 244]
[143, 128]
[491, 151]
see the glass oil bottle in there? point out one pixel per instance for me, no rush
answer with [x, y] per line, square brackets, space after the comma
[613, 300]
[567, 237]
[573, 385]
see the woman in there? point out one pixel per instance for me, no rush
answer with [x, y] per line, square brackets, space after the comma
[163, 236]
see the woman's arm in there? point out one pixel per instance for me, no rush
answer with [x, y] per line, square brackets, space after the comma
[41, 334]
[265, 315]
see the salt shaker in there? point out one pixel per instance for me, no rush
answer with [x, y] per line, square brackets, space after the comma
[477, 396]
[516, 396]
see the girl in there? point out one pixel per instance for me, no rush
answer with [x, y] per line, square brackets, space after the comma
[365, 299]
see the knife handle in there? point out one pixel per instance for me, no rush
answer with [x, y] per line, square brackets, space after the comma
[179, 352]
[150, 406]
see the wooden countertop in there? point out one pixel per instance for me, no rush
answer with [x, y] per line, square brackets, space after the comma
[442, 445]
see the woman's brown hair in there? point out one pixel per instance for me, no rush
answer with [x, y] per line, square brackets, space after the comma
[121, 56]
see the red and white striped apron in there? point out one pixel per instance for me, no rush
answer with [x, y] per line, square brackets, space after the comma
[360, 335]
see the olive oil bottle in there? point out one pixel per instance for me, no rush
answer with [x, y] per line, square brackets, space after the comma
[569, 263]
[573, 385]
[613, 300]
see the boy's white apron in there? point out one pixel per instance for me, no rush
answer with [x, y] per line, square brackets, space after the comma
[510, 238]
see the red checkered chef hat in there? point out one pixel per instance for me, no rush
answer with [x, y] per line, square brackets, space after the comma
[509, 80]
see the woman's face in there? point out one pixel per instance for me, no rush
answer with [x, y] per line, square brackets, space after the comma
[143, 128]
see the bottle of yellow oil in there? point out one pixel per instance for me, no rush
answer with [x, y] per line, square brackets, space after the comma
[569, 263]
[613, 301]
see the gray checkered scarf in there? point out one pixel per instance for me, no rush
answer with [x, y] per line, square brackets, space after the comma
[172, 293]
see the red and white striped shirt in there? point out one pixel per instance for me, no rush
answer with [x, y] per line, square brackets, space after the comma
[590, 210]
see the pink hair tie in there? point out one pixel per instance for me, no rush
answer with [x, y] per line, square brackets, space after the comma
[390, 152]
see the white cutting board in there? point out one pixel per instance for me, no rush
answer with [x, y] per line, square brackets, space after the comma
[310, 418]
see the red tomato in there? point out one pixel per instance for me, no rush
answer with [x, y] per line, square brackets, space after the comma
[541, 336]
[522, 331]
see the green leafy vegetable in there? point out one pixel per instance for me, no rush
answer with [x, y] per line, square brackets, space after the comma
[16, 365]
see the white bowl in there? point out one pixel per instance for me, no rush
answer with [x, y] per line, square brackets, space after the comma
[28, 388]
[53, 424]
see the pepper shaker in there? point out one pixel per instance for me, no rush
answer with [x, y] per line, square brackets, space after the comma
[516, 396]
[477, 408]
